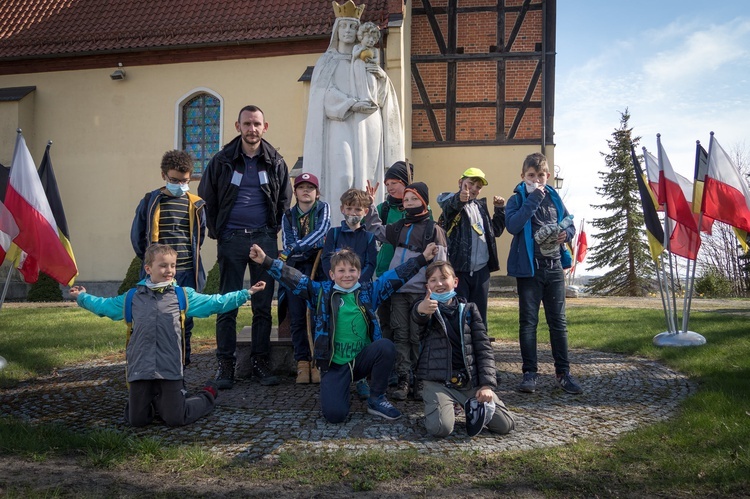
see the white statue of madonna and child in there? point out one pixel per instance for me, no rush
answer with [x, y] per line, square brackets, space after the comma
[353, 128]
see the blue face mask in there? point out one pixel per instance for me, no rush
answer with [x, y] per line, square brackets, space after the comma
[443, 297]
[353, 288]
[177, 189]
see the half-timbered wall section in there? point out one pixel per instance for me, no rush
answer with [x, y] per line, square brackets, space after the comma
[482, 72]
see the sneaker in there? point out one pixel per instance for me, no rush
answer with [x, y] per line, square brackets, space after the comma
[418, 390]
[363, 389]
[381, 407]
[212, 387]
[303, 372]
[569, 384]
[263, 372]
[402, 390]
[528, 385]
[225, 374]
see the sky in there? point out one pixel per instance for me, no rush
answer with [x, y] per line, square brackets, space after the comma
[680, 67]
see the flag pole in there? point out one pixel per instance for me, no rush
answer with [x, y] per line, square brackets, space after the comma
[691, 277]
[669, 283]
[684, 337]
[661, 283]
[10, 268]
[6, 286]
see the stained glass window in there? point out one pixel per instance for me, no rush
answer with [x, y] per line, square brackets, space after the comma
[201, 121]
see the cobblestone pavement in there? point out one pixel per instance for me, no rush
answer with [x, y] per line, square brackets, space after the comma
[252, 421]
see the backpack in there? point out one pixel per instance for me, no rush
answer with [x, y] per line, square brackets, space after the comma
[393, 233]
[128, 314]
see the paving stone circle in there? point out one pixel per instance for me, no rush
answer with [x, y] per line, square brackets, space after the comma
[251, 421]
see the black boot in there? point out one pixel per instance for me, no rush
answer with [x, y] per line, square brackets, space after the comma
[262, 371]
[225, 374]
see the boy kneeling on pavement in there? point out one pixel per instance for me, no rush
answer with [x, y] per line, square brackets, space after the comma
[154, 354]
[348, 344]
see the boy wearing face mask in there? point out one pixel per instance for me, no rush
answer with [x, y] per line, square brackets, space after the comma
[471, 235]
[352, 235]
[409, 236]
[534, 207]
[172, 215]
[457, 361]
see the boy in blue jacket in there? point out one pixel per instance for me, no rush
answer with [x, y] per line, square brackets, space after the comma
[154, 354]
[303, 230]
[537, 263]
[348, 344]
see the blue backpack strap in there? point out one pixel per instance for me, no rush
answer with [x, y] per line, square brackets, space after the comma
[183, 303]
[128, 315]
[128, 312]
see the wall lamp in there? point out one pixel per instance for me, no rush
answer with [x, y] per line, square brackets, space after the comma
[119, 73]
[558, 178]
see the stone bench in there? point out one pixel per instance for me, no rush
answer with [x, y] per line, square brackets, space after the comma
[281, 359]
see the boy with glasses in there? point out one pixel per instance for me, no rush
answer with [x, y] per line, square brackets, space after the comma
[171, 215]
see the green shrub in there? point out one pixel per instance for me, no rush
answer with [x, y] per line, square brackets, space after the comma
[713, 284]
[212, 280]
[45, 289]
[132, 276]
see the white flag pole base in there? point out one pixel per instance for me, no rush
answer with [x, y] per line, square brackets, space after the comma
[679, 339]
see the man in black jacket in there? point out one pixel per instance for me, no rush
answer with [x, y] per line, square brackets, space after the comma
[246, 189]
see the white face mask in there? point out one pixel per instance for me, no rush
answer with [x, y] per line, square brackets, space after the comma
[531, 186]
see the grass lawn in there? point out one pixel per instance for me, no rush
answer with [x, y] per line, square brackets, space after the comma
[704, 450]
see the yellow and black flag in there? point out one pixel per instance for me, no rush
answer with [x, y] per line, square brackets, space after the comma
[49, 183]
[654, 229]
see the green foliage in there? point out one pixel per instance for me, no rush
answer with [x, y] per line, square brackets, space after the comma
[45, 289]
[621, 246]
[713, 284]
[212, 281]
[132, 276]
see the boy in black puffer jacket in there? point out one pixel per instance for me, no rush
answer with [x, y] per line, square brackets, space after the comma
[457, 361]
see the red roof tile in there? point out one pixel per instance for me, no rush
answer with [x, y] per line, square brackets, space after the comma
[38, 28]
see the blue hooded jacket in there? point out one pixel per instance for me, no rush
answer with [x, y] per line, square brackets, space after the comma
[518, 212]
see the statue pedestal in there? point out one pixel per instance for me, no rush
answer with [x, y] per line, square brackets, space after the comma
[680, 339]
[281, 358]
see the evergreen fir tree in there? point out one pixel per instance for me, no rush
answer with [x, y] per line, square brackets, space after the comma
[621, 241]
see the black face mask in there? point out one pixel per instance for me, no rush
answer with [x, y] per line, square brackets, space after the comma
[414, 211]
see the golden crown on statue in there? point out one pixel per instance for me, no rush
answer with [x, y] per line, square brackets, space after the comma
[348, 9]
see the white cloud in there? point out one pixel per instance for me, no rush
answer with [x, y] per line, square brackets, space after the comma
[683, 80]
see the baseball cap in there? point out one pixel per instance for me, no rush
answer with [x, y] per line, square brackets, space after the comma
[478, 415]
[306, 177]
[475, 173]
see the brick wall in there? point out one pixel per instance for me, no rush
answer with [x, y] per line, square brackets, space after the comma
[477, 81]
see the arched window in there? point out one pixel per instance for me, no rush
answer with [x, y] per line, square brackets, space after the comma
[201, 129]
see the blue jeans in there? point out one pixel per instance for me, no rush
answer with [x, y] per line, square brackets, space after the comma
[475, 287]
[548, 287]
[376, 360]
[234, 258]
